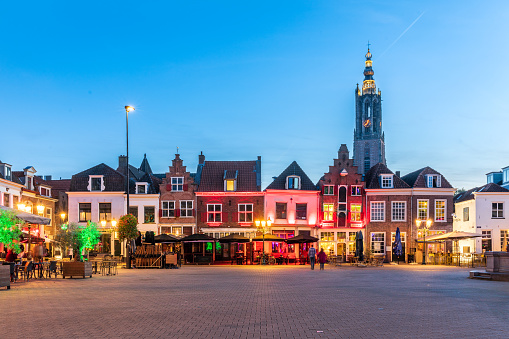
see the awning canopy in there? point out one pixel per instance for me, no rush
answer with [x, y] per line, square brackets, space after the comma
[197, 237]
[234, 238]
[454, 235]
[165, 238]
[28, 217]
[301, 239]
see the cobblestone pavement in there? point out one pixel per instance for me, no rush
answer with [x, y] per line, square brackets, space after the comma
[405, 301]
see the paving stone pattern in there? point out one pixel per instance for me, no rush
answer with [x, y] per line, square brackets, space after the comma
[405, 301]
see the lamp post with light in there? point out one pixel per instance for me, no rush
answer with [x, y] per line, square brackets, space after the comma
[127, 110]
[425, 229]
[263, 226]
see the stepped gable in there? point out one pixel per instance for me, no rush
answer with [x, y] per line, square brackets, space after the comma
[372, 177]
[293, 169]
[417, 179]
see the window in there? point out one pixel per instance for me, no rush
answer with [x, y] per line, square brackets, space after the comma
[328, 212]
[214, 212]
[486, 241]
[356, 190]
[7, 199]
[280, 210]
[150, 214]
[466, 215]
[96, 183]
[422, 209]
[440, 210]
[186, 208]
[328, 190]
[45, 191]
[497, 210]
[377, 211]
[386, 180]
[342, 194]
[168, 209]
[327, 236]
[141, 188]
[104, 211]
[85, 210]
[8, 173]
[48, 214]
[245, 212]
[378, 242]
[398, 211]
[355, 212]
[433, 180]
[230, 185]
[504, 240]
[177, 184]
[301, 211]
[293, 183]
[134, 211]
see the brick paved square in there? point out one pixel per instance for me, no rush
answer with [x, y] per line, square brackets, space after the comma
[403, 301]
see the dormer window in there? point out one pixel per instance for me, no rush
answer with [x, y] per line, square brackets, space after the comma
[45, 191]
[177, 184]
[96, 183]
[230, 185]
[293, 182]
[8, 172]
[29, 182]
[141, 188]
[386, 181]
[433, 180]
[230, 180]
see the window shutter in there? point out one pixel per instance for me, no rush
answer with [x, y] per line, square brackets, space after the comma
[204, 216]
[235, 217]
[192, 212]
[224, 217]
[185, 187]
[168, 187]
[160, 213]
[177, 213]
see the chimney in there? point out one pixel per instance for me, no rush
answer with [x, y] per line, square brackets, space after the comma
[122, 161]
[47, 177]
[398, 174]
[201, 158]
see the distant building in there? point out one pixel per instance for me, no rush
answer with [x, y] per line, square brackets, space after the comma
[500, 178]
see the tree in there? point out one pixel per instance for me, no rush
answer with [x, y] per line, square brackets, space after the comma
[127, 227]
[9, 230]
[78, 237]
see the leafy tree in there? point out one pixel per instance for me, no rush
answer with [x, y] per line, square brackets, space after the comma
[127, 227]
[9, 230]
[78, 237]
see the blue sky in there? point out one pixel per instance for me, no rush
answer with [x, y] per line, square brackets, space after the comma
[241, 79]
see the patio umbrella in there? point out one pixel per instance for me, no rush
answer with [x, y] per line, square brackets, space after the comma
[397, 246]
[359, 246]
[454, 235]
[302, 239]
[234, 238]
[165, 238]
[28, 217]
[268, 237]
[197, 237]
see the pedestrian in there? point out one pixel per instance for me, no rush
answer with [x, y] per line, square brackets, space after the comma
[311, 255]
[322, 259]
[11, 256]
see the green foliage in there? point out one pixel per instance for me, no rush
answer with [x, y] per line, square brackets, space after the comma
[9, 230]
[78, 237]
[127, 227]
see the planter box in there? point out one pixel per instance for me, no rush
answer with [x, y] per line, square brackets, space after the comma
[497, 261]
[5, 276]
[77, 269]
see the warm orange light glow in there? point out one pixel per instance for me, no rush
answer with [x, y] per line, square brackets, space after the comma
[113, 223]
[129, 108]
[21, 206]
[62, 215]
[40, 209]
[103, 223]
[257, 223]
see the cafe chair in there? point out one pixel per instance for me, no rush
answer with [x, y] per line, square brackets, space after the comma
[51, 269]
[29, 271]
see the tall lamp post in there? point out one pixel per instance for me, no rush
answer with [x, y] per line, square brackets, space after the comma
[425, 229]
[127, 110]
[263, 226]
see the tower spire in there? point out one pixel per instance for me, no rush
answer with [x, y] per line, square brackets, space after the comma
[368, 85]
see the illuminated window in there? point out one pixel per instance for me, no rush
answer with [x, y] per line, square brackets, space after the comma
[245, 212]
[504, 240]
[398, 211]
[328, 212]
[214, 212]
[186, 208]
[230, 185]
[45, 191]
[440, 210]
[327, 236]
[177, 184]
[105, 211]
[280, 210]
[168, 209]
[378, 242]
[301, 211]
[355, 212]
[149, 215]
[433, 180]
[328, 190]
[386, 180]
[422, 209]
[486, 240]
[293, 182]
[356, 190]
[497, 210]
[377, 211]
[85, 211]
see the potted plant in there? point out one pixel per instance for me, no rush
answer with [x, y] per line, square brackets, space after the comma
[9, 233]
[127, 229]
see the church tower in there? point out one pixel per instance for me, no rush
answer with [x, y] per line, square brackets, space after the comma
[368, 139]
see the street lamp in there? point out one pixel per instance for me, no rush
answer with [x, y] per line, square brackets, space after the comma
[425, 229]
[264, 227]
[127, 110]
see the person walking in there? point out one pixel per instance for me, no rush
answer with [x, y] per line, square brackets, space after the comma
[322, 259]
[311, 255]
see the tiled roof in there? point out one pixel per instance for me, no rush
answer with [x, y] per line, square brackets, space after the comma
[18, 176]
[417, 179]
[294, 169]
[469, 195]
[113, 180]
[372, 177]
[145, 166]
[212, 176]
[61, 185]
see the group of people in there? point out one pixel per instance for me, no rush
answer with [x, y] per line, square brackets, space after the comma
[322, 258]
[37, 253]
